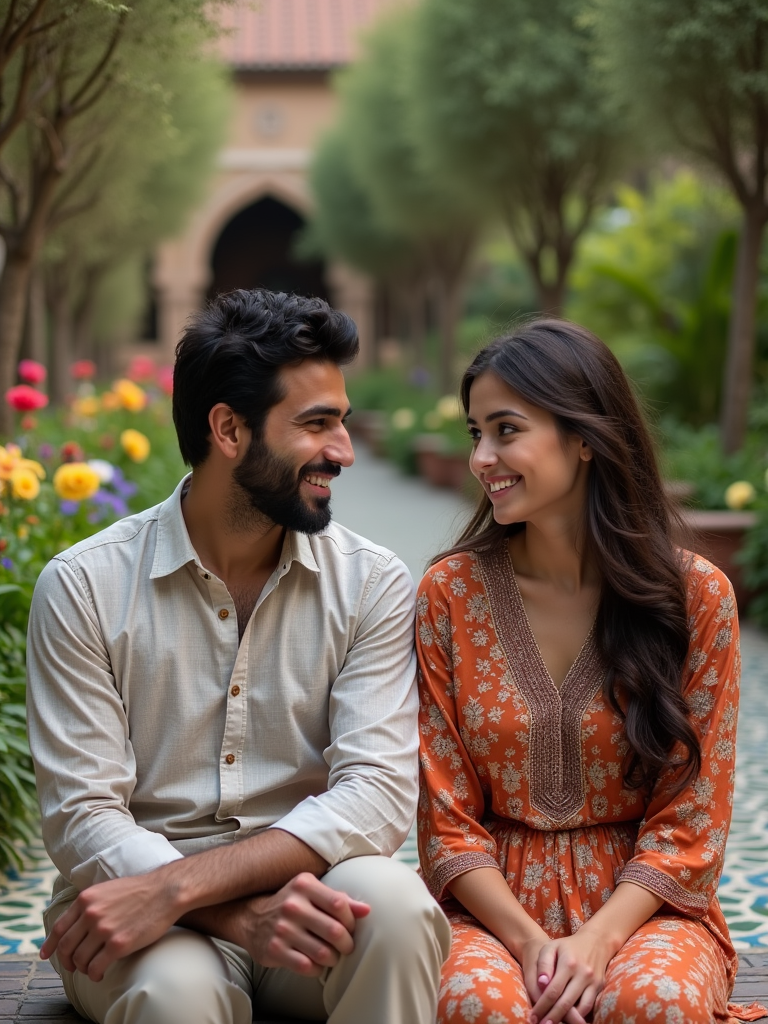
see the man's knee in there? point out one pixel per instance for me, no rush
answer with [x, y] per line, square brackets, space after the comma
[403, 913]
[181, 977]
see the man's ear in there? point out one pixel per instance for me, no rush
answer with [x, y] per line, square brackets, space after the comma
[229, 433]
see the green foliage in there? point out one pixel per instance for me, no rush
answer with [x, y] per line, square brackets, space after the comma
[33, 531]
[507, 105]
[695, 69]
[653, 278]
[18, 806]
[344, 224]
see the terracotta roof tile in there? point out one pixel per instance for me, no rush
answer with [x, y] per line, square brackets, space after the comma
[283, 34]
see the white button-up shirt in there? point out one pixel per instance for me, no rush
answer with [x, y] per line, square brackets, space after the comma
[155, 734]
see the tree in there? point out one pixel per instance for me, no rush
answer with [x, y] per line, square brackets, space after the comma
[700, 68]
[505, 102]
[344, 226]
[417, 199]
[85, 53]
[156, 154]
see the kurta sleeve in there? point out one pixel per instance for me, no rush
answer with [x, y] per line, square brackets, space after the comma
[451, 800]
[681, 840]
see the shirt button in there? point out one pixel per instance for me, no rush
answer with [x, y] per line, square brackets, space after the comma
[230, 758]
[206, 575]
[223, 613]
[235, 690]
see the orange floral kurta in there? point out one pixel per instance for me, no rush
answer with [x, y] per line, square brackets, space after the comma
[522, 776]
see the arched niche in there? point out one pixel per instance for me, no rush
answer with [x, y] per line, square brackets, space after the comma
[256, 249]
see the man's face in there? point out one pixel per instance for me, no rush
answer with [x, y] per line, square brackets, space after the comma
[286, 473]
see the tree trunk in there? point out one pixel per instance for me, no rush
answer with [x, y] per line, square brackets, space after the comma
[37, 319]
[449, 309]
[14, 288]
[61, 345]
[741, 331]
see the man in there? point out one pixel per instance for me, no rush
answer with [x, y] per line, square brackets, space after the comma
[222, 714]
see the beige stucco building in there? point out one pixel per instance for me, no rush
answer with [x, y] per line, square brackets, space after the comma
[283, 53]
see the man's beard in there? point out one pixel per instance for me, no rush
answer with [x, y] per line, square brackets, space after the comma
[267, 486]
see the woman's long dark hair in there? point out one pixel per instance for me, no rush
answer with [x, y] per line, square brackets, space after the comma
[642, 623]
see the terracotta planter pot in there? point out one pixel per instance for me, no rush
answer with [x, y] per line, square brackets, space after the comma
[718, 536]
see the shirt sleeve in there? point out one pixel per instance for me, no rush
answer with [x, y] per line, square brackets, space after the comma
[78, 734]
[370, 802]
[451, 800]
[681, 840]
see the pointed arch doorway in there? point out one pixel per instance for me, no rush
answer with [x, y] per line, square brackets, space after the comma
[255, 249]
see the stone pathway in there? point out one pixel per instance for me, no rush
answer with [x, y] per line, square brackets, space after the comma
[416, 521]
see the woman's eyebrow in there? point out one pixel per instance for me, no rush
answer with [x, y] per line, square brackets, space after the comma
[499, 415]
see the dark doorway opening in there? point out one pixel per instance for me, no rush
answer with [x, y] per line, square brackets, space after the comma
[255, 250]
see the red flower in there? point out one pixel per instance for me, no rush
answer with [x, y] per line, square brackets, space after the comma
[28, 422]
[141, 368]
[32, 372]
[165, 379]
[83, 369]
[72, 452]
[23, 398]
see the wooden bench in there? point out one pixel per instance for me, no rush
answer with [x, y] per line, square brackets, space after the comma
[31, 993]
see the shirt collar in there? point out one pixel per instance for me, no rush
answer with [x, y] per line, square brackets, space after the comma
[174, 548]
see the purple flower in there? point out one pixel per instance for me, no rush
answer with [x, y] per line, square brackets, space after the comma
[6, 563]
[68, 508]
[125, 488]
[45, 450]
[107, 502]
[420, 377]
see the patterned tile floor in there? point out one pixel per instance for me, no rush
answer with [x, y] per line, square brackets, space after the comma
[743, 889]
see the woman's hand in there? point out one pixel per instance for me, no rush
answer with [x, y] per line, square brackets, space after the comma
[564, 977]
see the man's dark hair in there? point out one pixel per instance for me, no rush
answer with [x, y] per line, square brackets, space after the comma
[233, 350]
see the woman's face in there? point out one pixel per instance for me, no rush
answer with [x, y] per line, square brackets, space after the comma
[528, 469]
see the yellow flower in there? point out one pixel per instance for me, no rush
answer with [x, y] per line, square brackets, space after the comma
[36, 468]
[135, 445]
[8, 461]
[110, 401]
[75, 481]
[739, 494]
[23, 532]
[403, 419]
[130, 394]
[24, 483]
[449, 407]
[87, 407]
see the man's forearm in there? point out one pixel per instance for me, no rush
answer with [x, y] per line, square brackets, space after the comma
[260, 864]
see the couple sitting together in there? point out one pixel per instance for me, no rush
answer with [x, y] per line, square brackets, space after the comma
[224, 717]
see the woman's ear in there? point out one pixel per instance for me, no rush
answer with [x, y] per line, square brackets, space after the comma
[585, 452]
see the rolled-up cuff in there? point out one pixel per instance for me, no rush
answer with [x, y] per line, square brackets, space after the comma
[137, 855]
[694, 904]
[326, 832]
[439, 876]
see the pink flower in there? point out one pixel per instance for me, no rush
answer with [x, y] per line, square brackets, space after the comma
[23, 398]
[32, 372]
[141, 368]
[83, 369]
[165, 379]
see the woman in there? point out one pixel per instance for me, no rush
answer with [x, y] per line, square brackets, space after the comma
[579, 684]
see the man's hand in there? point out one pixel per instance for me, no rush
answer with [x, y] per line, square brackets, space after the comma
[305, 926]
[111, 920]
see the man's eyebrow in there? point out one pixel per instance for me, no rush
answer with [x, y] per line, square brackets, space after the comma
[498, 416]
[323, 410]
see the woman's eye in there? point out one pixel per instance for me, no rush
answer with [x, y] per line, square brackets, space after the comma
[507, 428]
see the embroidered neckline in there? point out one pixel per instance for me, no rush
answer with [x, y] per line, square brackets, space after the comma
[556, 777]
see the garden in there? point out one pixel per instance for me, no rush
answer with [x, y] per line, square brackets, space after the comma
[68, 472]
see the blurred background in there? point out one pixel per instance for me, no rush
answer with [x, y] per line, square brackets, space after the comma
[440, 170]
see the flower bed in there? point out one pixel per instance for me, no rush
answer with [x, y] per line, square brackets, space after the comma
[64, 475]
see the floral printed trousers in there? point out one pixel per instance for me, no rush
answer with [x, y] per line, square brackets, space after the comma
[669, 972]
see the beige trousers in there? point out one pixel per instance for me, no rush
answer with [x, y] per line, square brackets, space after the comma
[392, 977]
